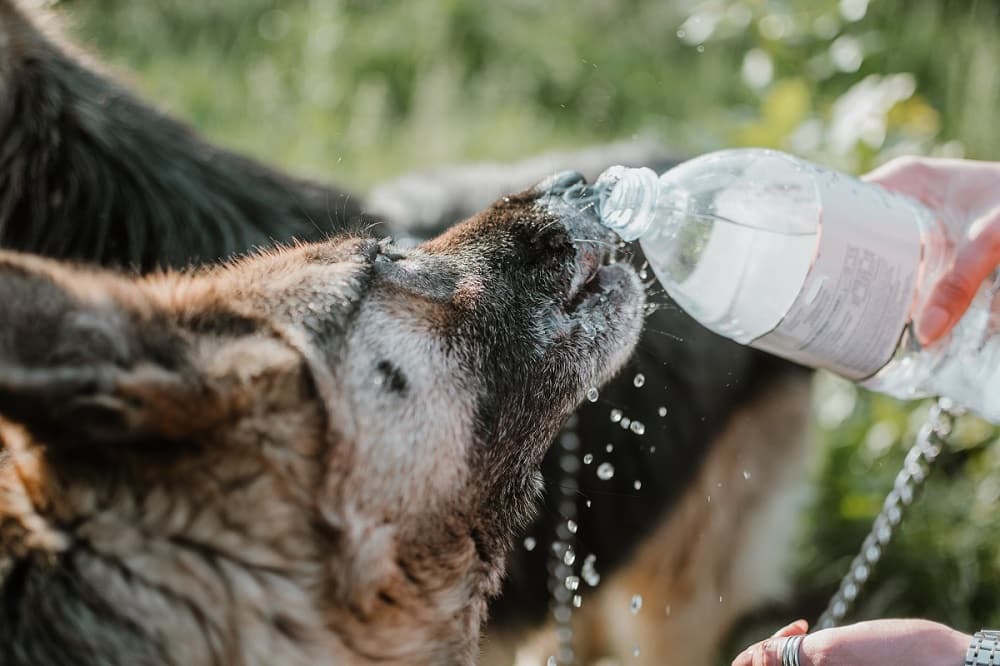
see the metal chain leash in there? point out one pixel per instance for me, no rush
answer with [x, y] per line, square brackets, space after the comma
[563, 582]
[909, 481]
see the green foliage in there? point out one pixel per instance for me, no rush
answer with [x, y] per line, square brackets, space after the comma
[359, 90]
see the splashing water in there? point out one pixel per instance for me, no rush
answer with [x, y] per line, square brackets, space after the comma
[589, 571]
[605, 471]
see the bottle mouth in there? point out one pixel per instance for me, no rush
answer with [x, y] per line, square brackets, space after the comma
[626, 200]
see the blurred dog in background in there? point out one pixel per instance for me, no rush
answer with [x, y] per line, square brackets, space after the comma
[697, 514]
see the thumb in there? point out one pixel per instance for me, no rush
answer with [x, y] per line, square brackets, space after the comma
[951, 296]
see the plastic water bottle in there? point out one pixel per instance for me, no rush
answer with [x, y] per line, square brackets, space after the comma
[812, 265]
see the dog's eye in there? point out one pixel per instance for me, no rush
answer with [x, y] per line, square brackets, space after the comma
[391, 377]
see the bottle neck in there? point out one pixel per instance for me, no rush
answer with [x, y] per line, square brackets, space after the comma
[628, 200]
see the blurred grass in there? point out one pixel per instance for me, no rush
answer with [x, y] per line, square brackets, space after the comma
[359, 90]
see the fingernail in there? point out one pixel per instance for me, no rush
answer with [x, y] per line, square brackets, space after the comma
[932, 323]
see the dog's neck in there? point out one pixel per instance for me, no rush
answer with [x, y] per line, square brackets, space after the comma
[399, 604]
[213, 587]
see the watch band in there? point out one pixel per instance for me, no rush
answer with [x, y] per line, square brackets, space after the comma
[984, 650]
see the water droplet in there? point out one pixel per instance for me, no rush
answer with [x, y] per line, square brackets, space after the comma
[551, 661]
[635, 604]
[720, 598]
[635, 651]
[588, 458]
[577, 601]
[605, 471]
[746, 474]
[662, 411]
[530, 543]
[609, 448]
[572, 527]
[700, 49]
[589, 572]
[643, 274]
[639, 380]
[626, 422]
[637, 485]
[593, 394]
[637, 427]
[616, 415]
[572, 583]
[668, 610]
[569, 557]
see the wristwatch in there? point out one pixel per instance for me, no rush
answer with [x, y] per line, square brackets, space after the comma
[984, 650]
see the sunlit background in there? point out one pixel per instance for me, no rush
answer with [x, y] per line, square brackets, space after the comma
[358, 91]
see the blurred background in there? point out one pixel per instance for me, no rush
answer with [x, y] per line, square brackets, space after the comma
[357, 91]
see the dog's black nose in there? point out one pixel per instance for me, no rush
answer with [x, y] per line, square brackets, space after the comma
[560, 183]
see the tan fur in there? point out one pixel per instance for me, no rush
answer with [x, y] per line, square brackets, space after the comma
[723, 550]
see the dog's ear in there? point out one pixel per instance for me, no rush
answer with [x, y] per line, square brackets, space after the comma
[85, 358]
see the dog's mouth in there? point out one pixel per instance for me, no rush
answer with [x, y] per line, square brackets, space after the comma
[595, 276]
[594, 273]
[601, 312]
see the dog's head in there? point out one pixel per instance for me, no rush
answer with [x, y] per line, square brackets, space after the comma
[326, 449]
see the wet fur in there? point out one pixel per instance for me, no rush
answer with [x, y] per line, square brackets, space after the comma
[95, 177]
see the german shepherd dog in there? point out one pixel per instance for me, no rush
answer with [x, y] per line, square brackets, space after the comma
[330, 453]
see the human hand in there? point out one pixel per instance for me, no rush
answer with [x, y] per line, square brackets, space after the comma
[967, 192]
[879, 642]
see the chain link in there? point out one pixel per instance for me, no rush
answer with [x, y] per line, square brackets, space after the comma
[909, 481]
[563, 581]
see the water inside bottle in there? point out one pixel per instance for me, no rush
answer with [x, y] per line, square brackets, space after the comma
[736, 258]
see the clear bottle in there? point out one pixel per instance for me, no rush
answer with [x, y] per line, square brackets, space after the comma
[812, 265]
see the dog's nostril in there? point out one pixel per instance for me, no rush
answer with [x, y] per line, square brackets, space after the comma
[562, 182]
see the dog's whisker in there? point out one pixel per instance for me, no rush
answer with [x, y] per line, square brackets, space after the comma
[592, 241]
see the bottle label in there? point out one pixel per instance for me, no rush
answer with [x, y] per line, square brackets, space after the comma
[857, 297]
